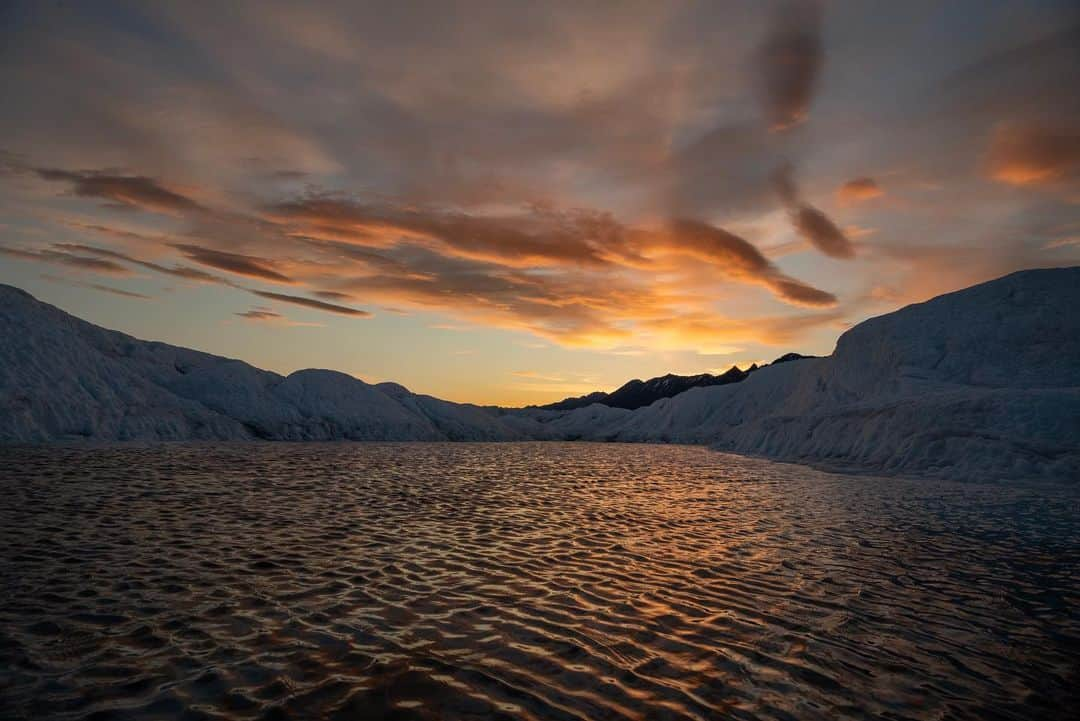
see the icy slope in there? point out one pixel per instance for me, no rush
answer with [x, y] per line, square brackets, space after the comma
[63, 378]
[982, 383]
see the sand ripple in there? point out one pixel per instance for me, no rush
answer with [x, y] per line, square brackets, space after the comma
[524, 581]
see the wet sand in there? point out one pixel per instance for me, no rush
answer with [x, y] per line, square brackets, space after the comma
[524, 581]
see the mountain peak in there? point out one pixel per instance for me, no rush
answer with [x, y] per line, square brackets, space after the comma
[637, 393]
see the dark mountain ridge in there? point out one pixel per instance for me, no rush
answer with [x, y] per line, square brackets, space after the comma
[638, 393]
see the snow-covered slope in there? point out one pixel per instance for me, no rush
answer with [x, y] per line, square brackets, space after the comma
[63, 378]
[982, 383]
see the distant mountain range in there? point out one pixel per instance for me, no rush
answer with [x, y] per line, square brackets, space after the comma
[980, 384]
[638, 393]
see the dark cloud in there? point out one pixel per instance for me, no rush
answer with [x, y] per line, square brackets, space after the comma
[311, 303]
[789, 63]
[246, 265]
[333, 295]
[61, 257]
[116, 232]
[128, 190]
[264, 314]
[822, 233]
[260, 314]
[800, 293]
[812, 224]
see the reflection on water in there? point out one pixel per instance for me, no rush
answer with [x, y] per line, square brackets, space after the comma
[531, 581]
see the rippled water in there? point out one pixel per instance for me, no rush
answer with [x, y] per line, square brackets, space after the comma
[524, 581]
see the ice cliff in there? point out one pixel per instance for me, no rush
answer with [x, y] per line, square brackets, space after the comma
[981, 383]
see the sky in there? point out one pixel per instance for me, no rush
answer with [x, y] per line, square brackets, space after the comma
[514, 202]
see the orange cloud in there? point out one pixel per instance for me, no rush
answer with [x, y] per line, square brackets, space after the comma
[544, 238]
[859, 190]
[1025, 155]
[534, 238]
[575, 277]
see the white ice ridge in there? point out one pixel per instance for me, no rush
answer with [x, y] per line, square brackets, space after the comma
[979, 384]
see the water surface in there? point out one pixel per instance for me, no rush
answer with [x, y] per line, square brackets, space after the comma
[524, 581]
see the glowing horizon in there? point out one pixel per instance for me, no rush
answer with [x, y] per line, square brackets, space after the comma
[513, 206]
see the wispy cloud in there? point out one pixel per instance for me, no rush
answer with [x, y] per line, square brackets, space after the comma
[262, 314]
[537, 376]
[811, 223]
[73, 260]
[312, 303]
[96, 286]
[177, 271]
[131, 190]
[245, 265]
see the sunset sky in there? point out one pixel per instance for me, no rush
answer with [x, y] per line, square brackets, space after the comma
[510, 202]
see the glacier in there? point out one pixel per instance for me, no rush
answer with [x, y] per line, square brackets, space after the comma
[983, 383]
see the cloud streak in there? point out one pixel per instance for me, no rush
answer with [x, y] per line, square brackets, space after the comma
[311, 303]
[236, 263]
[812, 224]
[96, 286]
[177, 271]
[823, 234]
[72, 260]
[742, 260]
[135, 191]
[538, 237]
[260, 314]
